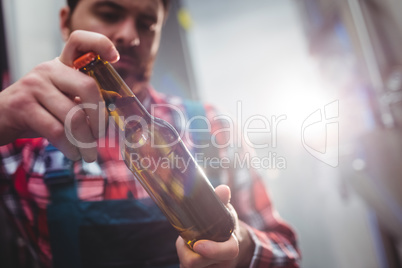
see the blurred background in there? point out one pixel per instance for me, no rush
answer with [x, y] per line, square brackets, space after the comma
[320, 81]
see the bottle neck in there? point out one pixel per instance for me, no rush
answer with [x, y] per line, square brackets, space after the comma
[119, 99]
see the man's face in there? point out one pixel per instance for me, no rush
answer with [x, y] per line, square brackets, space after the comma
[134, 26]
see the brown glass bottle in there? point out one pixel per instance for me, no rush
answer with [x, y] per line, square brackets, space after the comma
[179, 186]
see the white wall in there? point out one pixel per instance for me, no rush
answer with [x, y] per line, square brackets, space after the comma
[32, 33]
[255, 52]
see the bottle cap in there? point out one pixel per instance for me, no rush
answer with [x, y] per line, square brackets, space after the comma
[84, 60]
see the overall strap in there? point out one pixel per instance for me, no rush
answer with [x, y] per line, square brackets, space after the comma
[59, 175]
[61, 212]
[198, 125]
[198, 121]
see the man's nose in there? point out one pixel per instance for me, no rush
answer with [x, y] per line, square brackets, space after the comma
[127, 34]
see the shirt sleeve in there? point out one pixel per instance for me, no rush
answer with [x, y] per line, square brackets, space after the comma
[275, 241]
[10, 159]
[15, 158]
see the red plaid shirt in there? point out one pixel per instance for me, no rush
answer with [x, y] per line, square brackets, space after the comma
[25, 195]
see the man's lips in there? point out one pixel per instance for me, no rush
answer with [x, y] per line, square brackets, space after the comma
[126, 62]
[129, 67]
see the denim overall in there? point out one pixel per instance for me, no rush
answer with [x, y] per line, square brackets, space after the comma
[110, 233]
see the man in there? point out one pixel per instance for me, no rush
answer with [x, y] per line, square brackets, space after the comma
[127, 33]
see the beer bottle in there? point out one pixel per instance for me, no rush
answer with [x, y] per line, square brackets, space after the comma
[180, 189]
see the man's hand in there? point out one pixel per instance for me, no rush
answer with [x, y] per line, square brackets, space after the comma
[236, 252]
[37, 105]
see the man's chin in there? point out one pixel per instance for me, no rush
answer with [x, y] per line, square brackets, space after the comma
[134, 79]
[137, 86]
[130, 76]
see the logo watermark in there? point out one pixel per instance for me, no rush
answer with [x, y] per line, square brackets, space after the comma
[137, 135]
[328, 118]
[182, 163]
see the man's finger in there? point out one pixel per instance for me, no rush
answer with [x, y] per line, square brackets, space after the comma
[49, 127]
[223, 192]
[220, 251]
[188, 258]
[81, 42]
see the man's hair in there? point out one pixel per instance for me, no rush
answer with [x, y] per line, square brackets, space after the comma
[73, 3]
